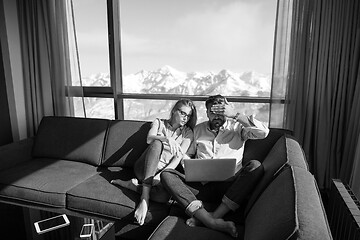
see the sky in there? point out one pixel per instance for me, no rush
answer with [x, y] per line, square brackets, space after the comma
[189, 35]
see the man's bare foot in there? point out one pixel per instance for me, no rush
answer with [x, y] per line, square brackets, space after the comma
[132, 184]
[141, 211]
[208, 219]
[193, 222]
[225, 226]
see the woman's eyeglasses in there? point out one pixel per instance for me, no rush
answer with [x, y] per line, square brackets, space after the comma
[184, 114]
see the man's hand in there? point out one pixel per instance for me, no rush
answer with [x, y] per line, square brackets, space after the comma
[226, 110]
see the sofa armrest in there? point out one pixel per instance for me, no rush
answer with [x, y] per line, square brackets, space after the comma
[16, 152]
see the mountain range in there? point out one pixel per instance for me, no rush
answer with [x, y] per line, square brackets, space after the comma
[168, 80]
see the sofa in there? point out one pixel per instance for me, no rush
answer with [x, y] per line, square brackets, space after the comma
[67, 168]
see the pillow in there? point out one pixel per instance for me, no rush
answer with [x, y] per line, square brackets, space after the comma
[273, 214]
[289, 208]
[71, 138]
[126, 141]
[259, 148]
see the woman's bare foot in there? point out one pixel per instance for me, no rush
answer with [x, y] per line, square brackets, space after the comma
[132, 184]
[141, 211]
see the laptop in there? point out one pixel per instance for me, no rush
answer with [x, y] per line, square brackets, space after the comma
[209, 170]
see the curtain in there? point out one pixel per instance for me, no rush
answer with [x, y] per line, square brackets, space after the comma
[350, 145]
[322, 91]
[47, 44]
[280, 62]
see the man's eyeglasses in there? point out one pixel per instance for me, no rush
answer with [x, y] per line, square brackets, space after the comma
[184, 114]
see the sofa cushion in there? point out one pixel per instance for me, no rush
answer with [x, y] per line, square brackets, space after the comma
[289, 208]
[126, 142]
[175, 228]
[286, 151]
[98, 196]
[70, 138]
[273, 163]
[43, 181]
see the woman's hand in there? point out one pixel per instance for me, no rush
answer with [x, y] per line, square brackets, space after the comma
[175, 148]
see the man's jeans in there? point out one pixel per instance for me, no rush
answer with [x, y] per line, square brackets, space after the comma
[232, 192]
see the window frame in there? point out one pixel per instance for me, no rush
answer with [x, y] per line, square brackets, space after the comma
[115, 91]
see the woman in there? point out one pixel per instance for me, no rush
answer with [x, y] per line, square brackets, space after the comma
[169, 140]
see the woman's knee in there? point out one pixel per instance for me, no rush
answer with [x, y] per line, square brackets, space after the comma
[154, 150]
[156, 144]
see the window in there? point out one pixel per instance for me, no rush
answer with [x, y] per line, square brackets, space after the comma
[91, 34]
[173, 49]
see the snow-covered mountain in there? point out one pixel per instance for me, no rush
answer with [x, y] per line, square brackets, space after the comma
[168, 80]
[98, 79]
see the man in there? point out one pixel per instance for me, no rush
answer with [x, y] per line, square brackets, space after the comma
[222, 136]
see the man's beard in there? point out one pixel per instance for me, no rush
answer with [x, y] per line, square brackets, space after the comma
[216, 123]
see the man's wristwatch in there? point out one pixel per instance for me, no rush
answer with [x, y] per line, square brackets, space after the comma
[236, 116]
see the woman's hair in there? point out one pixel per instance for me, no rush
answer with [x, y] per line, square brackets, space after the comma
[193, 116]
